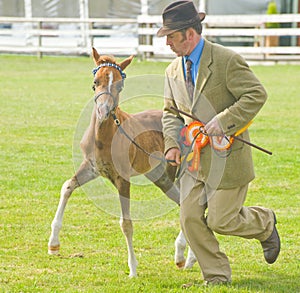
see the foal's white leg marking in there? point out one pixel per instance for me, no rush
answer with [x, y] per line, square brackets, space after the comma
[66, 191]
[180, 244]
[126, 226]
[191, 259]
[127, 229]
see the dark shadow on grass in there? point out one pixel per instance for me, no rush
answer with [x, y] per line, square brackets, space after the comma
[275, 283]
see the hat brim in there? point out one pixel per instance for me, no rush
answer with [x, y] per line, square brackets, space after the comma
[164, 31]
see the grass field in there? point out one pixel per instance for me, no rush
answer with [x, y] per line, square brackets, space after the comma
[41, 102]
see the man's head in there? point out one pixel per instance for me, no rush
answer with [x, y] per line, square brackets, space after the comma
[182, 26]
[180, 15]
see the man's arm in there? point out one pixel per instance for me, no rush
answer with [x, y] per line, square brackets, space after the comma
[171, 120]
[172, 123]
[250, 97]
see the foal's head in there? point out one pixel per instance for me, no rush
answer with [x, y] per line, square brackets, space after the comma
[108, 83]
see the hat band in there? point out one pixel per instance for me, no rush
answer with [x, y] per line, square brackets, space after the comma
[180, 25]
[177, 27]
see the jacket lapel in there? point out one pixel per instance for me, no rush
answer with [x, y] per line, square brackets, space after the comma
[204, 71]
[202, 77]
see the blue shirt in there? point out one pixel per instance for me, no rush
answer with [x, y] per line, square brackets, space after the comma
[195, 57]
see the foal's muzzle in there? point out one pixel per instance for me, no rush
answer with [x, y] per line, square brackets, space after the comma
[104, 108]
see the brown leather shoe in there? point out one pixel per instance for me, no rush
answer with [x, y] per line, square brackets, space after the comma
[271, 246]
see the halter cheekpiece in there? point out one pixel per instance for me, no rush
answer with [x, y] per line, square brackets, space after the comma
[107, 64]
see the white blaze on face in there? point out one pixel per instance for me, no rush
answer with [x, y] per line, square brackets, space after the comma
[103, 106]
[110, 83]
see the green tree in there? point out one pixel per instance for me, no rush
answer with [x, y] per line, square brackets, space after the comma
[272, 9]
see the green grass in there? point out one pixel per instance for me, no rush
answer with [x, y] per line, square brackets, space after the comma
[40, 104]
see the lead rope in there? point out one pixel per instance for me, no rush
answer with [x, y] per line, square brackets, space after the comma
[189, 150]
[162, 159]
[122, 130]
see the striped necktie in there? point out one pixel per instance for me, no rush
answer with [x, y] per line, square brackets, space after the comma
[188, 79]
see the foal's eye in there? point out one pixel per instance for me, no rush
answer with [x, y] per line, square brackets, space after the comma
[119, 85]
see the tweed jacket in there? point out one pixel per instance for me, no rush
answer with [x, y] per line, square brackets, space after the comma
[226, 88]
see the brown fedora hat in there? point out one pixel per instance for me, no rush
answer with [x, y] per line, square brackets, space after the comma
[179, 15]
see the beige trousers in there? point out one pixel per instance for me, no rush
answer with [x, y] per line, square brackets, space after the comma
[203, 211]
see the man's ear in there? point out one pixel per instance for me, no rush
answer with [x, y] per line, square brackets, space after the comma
[190, 33]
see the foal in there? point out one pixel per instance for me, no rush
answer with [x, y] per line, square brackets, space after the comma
[118, 145]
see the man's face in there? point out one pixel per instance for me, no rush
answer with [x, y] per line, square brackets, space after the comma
[178, 43]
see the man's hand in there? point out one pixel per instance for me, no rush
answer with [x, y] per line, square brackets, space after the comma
[173, 154]
[213, 127]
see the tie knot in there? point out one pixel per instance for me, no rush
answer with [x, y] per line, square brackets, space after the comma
[188, 64]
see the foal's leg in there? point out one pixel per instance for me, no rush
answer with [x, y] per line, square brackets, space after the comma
[126, 225]
[191, 259]
[85, 173]
[180, 245]
[163, 176]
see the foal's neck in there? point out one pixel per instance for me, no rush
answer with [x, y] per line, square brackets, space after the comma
[106, 130]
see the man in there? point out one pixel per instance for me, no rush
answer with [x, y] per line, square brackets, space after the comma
[226, 96]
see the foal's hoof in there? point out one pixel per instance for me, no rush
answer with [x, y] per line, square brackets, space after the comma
[132, 276]
[53, 250]
[180, 265]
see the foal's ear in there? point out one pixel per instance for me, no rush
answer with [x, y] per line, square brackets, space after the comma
[96, 55]
[126, 62]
